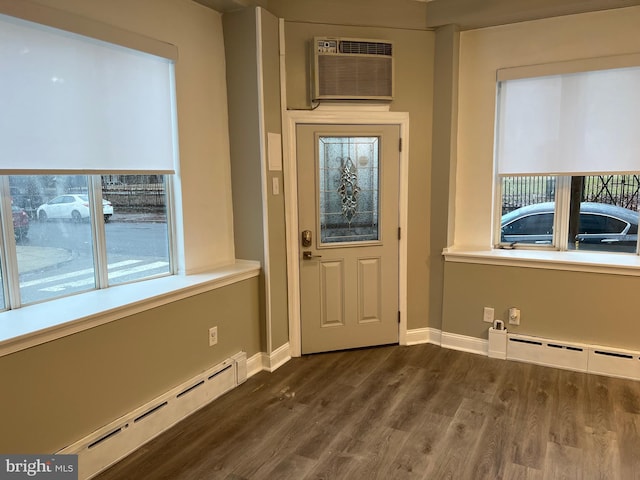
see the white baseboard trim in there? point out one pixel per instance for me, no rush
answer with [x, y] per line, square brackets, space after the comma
[452, 341]
[279, 357]
[262, 361]
[255, 364]
[419, 336]
[463, 343]
[595, 359]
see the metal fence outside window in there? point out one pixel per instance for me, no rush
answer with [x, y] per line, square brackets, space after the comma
[621, 190]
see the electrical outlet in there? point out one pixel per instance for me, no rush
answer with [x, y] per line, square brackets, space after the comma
[488, 315]
[213, 336]
[514, 316]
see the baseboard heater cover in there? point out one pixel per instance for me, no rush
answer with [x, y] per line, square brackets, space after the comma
[614, 362]
[114, 441]
[546, 352]
[574, 356]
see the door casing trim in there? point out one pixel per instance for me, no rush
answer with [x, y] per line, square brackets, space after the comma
[348, 115]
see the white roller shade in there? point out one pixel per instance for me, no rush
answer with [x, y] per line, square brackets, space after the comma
[573, 124]
[69, 103]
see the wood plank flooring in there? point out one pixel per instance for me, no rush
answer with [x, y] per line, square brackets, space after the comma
[419, 412]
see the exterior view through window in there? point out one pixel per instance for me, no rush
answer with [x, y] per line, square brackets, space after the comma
[603, 212]
[56, 233]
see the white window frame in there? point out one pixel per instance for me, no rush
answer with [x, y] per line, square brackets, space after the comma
[560, 217]
[10, 268]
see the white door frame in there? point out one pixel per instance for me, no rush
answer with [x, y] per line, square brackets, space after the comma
[338, 116]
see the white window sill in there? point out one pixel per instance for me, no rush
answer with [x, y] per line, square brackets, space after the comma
[608, 263]
[28, 326]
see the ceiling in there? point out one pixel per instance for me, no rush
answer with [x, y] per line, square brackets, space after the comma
[470, 14]
[419, 14]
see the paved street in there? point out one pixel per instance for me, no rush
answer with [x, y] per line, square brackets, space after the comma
[56, 258]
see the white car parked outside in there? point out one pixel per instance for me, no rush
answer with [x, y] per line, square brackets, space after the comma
[72, 206]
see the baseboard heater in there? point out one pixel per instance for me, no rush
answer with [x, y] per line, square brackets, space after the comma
[114, 441]
[574, 356]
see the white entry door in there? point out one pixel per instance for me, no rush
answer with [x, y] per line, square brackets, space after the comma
[348, 211]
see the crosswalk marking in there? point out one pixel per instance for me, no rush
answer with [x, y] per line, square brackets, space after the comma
[77, 273]
[90, 281]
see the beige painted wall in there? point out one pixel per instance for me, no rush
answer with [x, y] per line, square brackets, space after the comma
[279, 325]
[445, 106]
[258, 213]
[590, 308]
[244, 140]
[413, 52]
[566, 305]
[244, 124]
[56, 393]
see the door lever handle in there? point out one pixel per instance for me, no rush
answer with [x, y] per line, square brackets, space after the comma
[308, 255]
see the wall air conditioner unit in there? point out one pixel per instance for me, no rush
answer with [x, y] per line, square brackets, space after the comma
[351, 69]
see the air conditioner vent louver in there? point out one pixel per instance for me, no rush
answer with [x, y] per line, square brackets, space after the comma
[351, 69]
[366, 48]
[353, 77]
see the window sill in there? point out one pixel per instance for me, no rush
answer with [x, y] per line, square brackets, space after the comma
[36, 324]
[608, 263]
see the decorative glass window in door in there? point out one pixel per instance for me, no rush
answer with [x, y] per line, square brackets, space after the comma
[348, 189]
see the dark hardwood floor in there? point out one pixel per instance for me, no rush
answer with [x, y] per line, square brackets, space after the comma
[419, 412]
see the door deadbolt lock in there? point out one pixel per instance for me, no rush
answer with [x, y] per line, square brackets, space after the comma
[306, 238]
